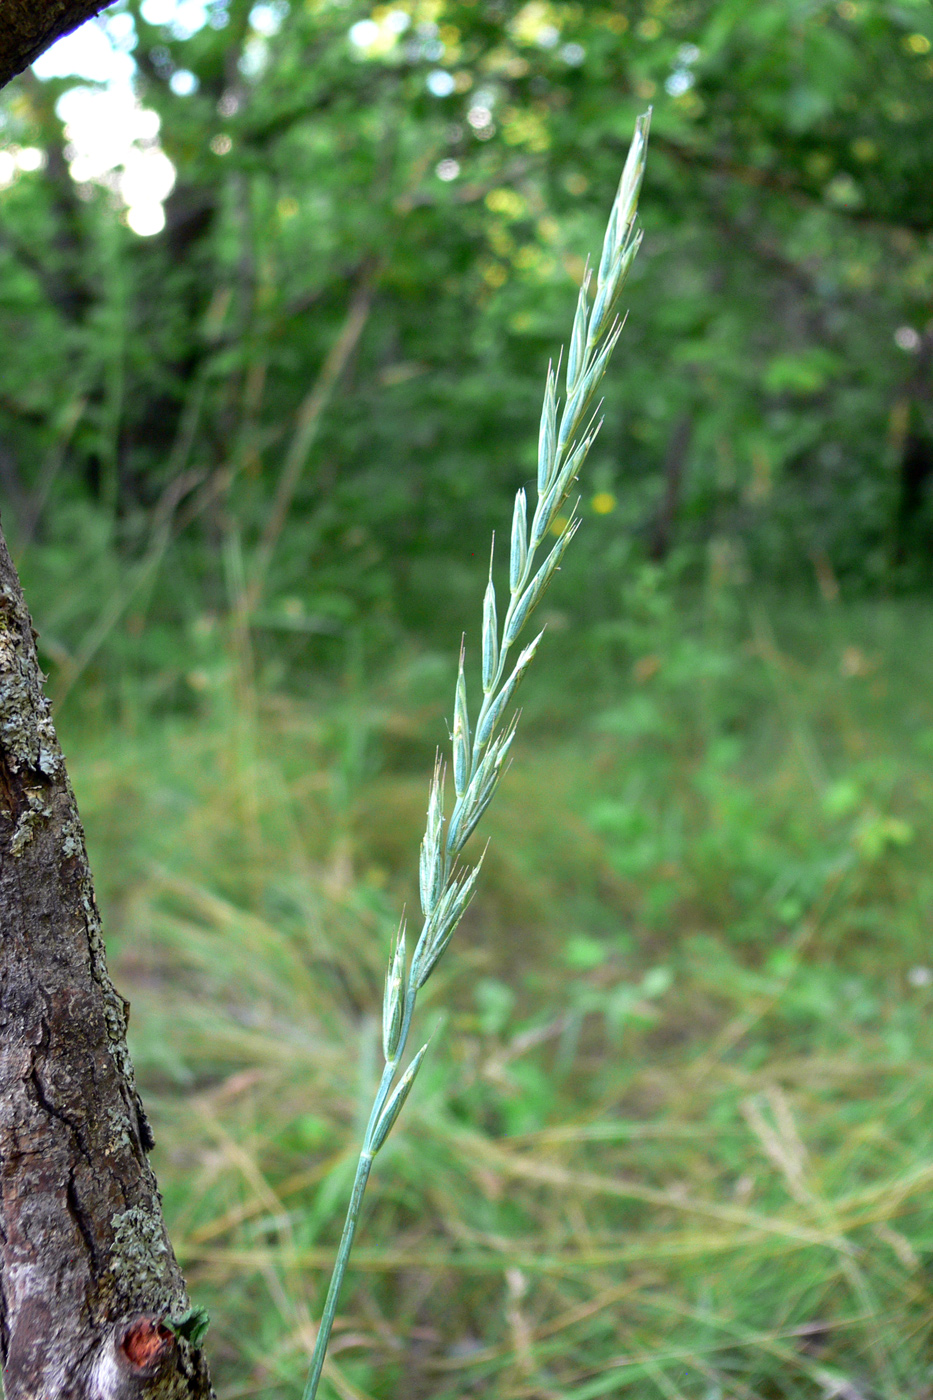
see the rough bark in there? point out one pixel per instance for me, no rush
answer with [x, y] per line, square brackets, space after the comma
[29, 27]
[88, 1280]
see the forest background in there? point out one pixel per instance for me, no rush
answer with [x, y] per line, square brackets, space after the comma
[278, 287]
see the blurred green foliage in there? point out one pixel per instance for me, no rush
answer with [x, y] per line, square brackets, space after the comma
[409, 190]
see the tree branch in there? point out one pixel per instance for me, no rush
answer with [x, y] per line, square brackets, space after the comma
[28, 28]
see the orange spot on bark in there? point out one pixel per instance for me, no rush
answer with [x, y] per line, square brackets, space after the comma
[145, 1340]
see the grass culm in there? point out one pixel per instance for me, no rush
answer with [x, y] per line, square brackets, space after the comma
[478, 757]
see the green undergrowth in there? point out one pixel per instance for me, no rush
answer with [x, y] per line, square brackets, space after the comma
[674, 1135]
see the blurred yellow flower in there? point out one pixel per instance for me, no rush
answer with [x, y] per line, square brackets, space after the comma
[604, 503]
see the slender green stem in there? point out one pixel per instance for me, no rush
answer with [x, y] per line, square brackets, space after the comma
[447, 888]
[363, 1168]
[340, 1268]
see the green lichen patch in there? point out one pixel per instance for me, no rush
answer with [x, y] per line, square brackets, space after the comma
[28, 821]
[142, 1258]
[27, 734]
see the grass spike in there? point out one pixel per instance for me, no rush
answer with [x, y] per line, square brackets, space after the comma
[430, 864]
[449, 915]
[547, 436]
[487, 724]
[532, 594]
[396, 1103]
[490, 637]
[461, 734]
[392, 1000]
[632, 175]
[445, 889]
[577, 406]
[608, 295]
[519, 551]
[577, 353]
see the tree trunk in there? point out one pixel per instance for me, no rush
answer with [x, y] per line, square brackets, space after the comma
[91, 1297]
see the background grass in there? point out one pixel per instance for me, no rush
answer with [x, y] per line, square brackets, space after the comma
[674, 1134]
